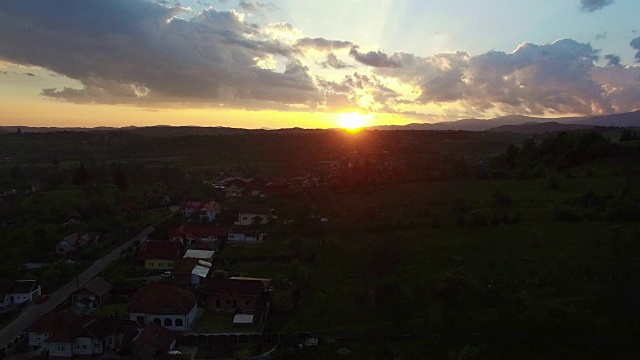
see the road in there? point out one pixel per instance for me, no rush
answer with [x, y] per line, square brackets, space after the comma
[32, 313]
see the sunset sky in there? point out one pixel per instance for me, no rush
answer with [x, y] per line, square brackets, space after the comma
[303, 63]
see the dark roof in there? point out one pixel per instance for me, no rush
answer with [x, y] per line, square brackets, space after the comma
[156, 337]
[63, 327]
[249, 287]
[103, 327]
[254, 209]
[162, 250]
[163, 299]
[237, 182]
[23, 286]
[98, 286]
[184, 266]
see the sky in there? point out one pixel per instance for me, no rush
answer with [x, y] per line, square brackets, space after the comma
[306, 63]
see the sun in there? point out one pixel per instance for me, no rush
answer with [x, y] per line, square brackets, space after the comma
[352, 121]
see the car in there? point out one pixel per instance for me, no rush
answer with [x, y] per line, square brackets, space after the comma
[166, 274]
[42, 298]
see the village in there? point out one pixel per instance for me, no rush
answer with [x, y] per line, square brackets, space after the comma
[165, 288]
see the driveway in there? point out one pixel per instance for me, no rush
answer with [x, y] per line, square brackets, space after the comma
[33, 312]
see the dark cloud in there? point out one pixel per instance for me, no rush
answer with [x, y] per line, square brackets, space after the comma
[601, 36]
[594, 5]
[376, 59]
[635, 44]
[613, 60]
[134, 51]
[322, 44]
[333, 62]
[349, 92]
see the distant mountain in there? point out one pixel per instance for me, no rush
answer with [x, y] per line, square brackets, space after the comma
[539, 128]
[631, 119]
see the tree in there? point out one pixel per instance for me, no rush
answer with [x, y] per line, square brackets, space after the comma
[120, 179]
[81, 176]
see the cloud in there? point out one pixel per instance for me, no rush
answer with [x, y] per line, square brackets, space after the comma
[321, 44]
[601, 36]
[613, 60]
[554, 78]
[594, 5]
[374, 58]
[255, 6]
[139, 52]
[635, 44]
[333, 62]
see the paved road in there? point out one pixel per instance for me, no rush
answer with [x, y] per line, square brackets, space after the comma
[32, 313]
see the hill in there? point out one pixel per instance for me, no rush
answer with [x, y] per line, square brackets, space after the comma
[539, 128]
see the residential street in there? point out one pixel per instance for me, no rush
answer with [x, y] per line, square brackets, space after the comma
[34, 311]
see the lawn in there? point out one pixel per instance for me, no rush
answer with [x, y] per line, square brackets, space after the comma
[223, 323]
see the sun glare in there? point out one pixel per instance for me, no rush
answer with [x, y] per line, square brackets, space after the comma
[352, 121]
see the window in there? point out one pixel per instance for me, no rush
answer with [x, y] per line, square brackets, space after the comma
[168, 322]
[151, 264]
[84, 347]
[228, 302]
[179, 322]
[77, 346]
[157, 321]
[140, 320]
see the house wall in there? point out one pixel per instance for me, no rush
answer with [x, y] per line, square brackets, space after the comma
[37, 340]
[62, 248]
[60, 350]
[157, 264]
[83, 346]
[248, 219]
[20, 298]
[187, 319]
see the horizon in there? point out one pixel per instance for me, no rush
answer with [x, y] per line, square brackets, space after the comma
[278, 64]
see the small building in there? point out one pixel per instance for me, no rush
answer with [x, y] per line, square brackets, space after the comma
[236, 294]
[189, 208]
[19, 292]
[159, 255]
[253, 214]
[239, 235]
[202, 237]
[235, 187]
[94, 294]
[210, 211]
[190, 272]
[75, 241]
[153, 342]
[164, 304]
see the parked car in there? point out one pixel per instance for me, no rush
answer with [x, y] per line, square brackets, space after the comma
[166, 274]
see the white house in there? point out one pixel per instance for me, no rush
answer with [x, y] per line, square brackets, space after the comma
[253, 214]
[210, 211]
[239, 235]
[19, 292]
[164, 304]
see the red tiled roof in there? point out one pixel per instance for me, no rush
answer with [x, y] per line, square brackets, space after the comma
[250, 287]
[63, 327]
[103, 327]
[160, 250]
[163, 299]
[212, 206]
[156, 337]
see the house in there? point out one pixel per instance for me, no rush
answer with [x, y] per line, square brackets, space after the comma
[236, 294]
[235, 187]
[70, 335]
[94, 294]
[75, 241]
[159, 255]
[188, 208]
[256, 188]
[164, 304]
[153, 342]
[202, 237]
[190, 272]
[205, 255]
[279, 186]
[210, 211]
[253, 214]
[19, 292]
[239, 235]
